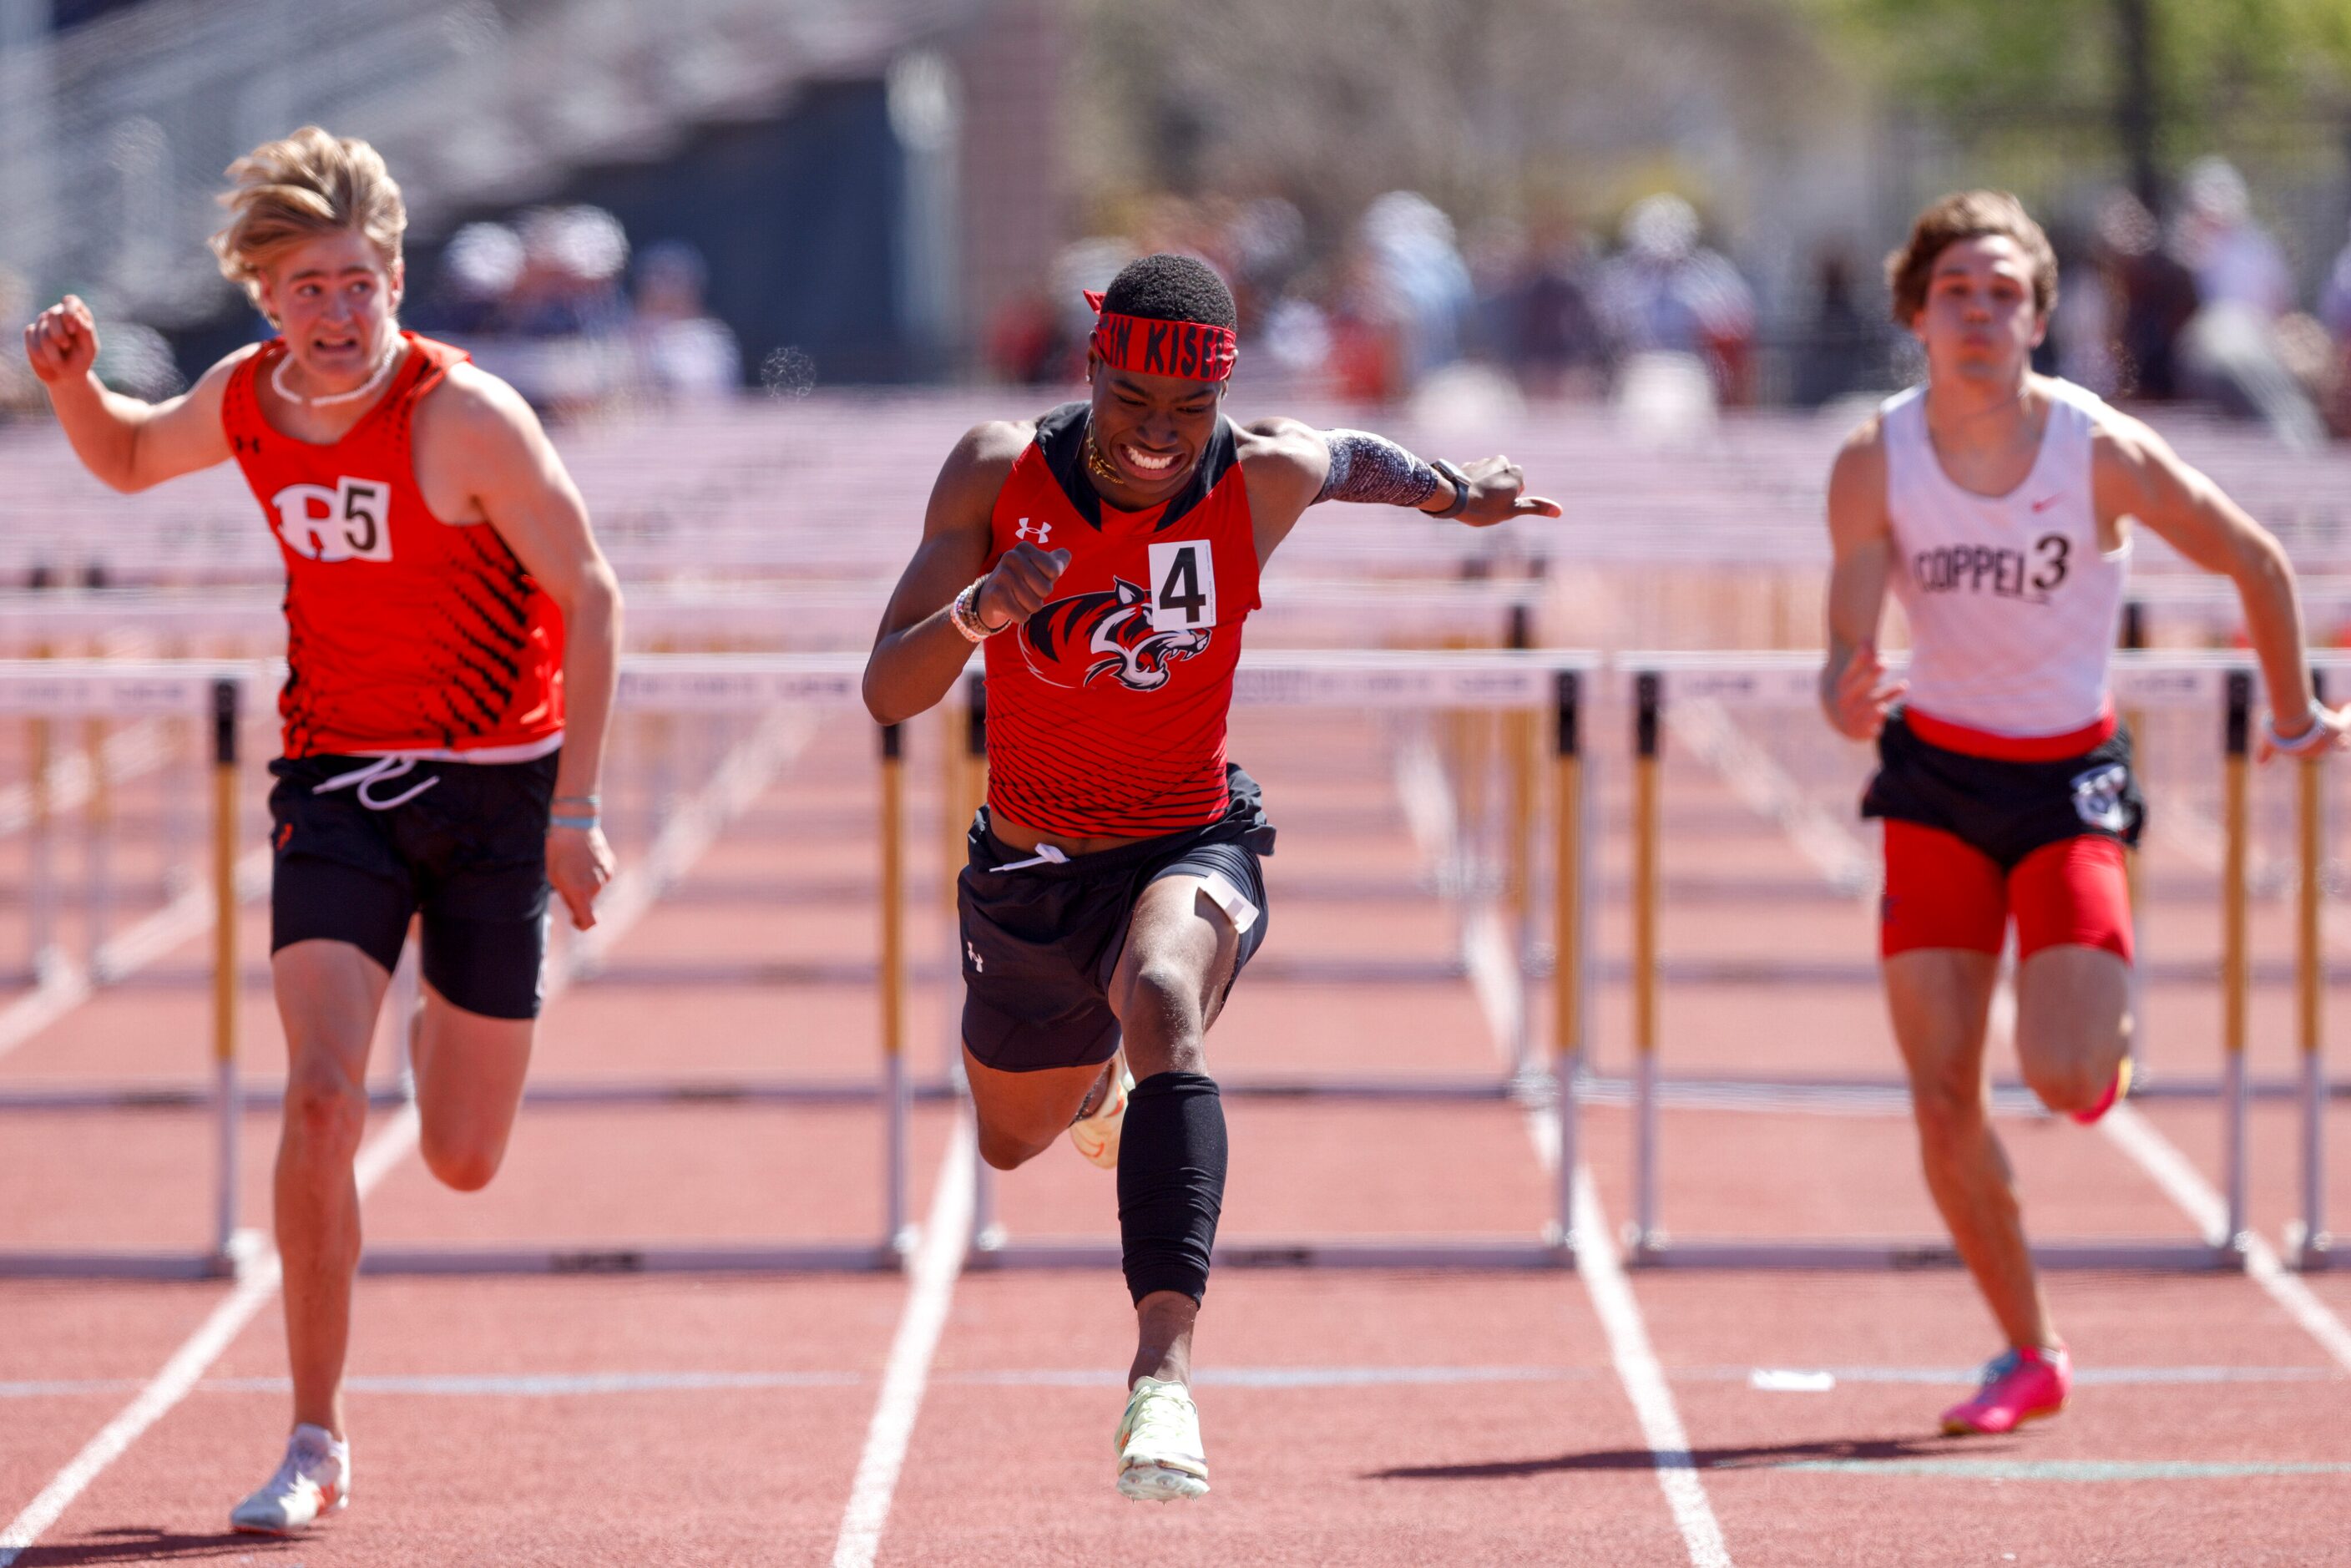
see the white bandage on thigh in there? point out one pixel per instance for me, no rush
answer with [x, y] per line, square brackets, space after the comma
[1230, 899]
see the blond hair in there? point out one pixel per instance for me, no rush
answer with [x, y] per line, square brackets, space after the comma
[1968, 215]
[285, 194]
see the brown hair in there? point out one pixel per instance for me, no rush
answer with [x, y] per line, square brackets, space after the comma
[283, 194]
[1968, 215]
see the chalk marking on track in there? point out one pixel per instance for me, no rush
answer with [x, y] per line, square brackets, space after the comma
[937, 1261]
[577, 1384]
[2160, 1158]
[2075, 1470]
[738, 780]
[190, 1361]
[1428, 800]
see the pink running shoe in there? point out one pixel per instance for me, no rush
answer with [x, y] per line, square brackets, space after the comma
[2113, 1097]
[2024, 1384]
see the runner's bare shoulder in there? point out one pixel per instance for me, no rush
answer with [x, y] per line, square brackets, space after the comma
[976, 469]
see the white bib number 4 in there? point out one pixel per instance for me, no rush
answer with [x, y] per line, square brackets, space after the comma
[1182, 586]
[350, 522]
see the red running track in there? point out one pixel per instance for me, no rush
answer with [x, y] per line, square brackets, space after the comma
[1373, 1419]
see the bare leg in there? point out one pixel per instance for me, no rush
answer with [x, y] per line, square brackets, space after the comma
[2072, 1024]
[328, 995]
[1168, 988]
[1021, 1113]
[1940, 998]
[469, 1082]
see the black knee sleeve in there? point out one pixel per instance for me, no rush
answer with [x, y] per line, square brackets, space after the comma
[1171, 1182]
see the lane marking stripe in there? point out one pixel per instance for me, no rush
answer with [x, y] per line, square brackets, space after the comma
[2209, 1211]
[937, 1261]
[2062, 1470]
[736, 784]
[1434, 813]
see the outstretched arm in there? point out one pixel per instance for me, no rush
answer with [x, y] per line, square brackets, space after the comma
[1855, 693]
[1291, 466]
[128, 445]
[2136, 473]
[514, 476]
[919, 651]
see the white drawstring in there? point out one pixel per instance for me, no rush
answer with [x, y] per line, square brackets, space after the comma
[1046, 855]
[383, 770]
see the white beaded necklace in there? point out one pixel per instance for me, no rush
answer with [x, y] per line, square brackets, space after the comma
[278, 381]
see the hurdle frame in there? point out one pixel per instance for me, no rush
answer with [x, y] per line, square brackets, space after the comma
[763, 683]
[1504, 680]
[2142, 680]
[209, 691]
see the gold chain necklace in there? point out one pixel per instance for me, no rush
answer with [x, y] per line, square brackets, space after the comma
[1099, 465]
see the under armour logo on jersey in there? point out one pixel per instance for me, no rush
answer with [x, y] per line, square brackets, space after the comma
[972, 954]
[350, 522]
[1039, 532]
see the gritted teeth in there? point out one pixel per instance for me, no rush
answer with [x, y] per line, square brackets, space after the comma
[1149, 462]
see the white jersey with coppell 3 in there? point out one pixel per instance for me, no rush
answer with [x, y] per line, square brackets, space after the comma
[2013, 606]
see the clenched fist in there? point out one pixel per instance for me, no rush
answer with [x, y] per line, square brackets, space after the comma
[62, 341]
[1018, 588]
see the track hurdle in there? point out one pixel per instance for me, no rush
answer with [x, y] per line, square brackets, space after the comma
[1477, 680]
[95, 690]
[751, 684]
[2142, 681]
[2307, 1244]
[762, 684]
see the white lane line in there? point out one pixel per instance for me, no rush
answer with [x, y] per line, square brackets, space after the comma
[2160, 1158]
[936, 1263]
[1635, 1363]
[1645, 1380]
[190, 1361]
[736, 784]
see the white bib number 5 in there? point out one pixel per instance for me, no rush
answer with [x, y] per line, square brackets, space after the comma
[1182, 586]
[350, 522]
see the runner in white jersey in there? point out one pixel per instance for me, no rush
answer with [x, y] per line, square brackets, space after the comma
[1998, 505]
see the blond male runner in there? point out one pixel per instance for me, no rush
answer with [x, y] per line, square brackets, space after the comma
[451, 636]
[1998, 504]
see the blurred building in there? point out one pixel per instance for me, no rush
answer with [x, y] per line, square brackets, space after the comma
[865, 181]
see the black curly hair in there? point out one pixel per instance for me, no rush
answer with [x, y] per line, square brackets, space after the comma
[1171, 288]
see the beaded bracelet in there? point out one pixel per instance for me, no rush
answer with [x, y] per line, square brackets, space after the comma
[964, 614]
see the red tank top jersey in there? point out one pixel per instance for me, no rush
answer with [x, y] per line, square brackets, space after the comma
[1106, 710]
[403, 632]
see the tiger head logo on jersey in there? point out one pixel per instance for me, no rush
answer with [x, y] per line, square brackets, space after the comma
[1076, 641]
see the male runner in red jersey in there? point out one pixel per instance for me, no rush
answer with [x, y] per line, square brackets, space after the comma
[1998, 505]
[451, 636]
[1107, 555]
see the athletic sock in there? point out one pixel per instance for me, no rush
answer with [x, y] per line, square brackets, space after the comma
[1170, 1182]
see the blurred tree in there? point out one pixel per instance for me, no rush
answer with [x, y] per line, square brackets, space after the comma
[1515, 109]
[2168, 74]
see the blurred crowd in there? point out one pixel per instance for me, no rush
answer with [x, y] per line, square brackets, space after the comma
[1649, 313]
[1656, 314]
[558, 304]
[1407, 298]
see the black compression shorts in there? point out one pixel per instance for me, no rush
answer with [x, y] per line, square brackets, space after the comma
[1041, 943]
[464, 844]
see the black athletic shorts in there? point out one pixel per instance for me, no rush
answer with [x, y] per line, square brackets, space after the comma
[1041, 943]
[362, 843]
[2005, 808]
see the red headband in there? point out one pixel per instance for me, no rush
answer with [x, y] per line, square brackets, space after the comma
[1192, 349]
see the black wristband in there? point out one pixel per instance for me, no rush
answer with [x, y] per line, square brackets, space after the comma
[1460, 483]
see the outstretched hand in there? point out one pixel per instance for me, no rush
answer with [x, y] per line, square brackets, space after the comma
[1494, 483]
[1023, 580]
[62, 341]
[1857, 705]
[2329, 731]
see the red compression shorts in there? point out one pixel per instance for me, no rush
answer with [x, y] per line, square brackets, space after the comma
[1941, 893]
